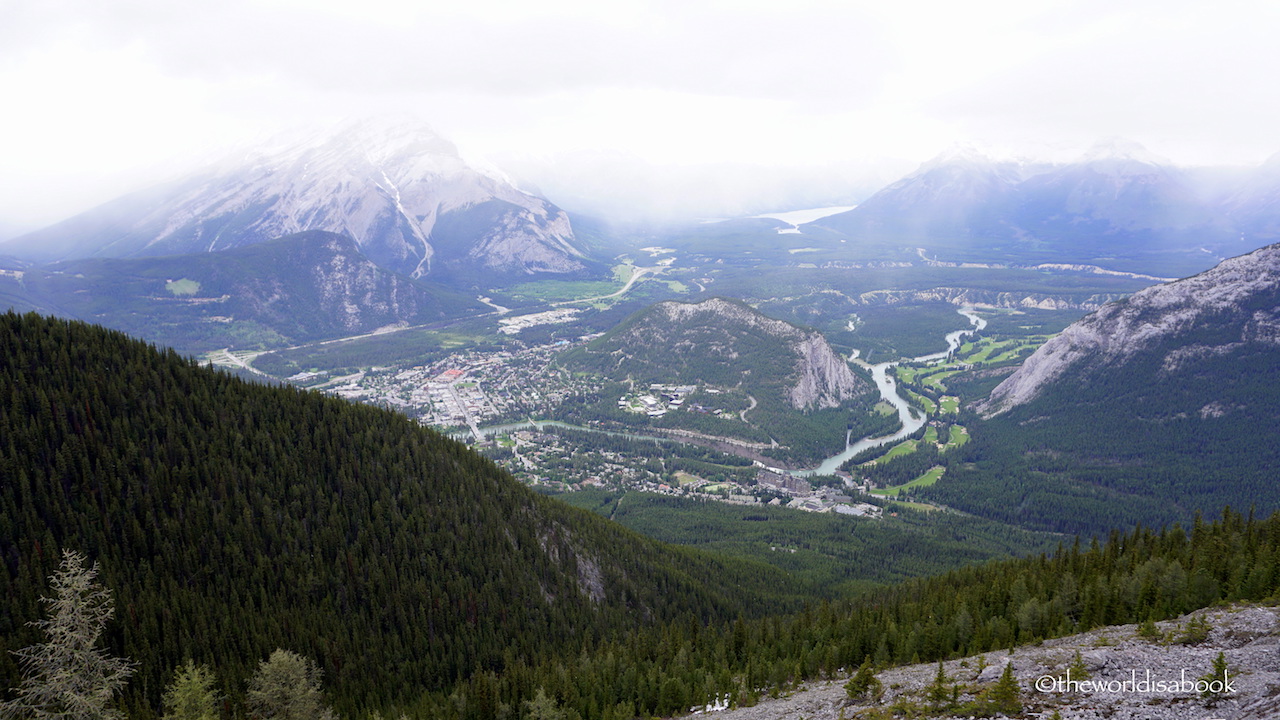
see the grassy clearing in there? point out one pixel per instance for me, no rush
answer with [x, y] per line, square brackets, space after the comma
[950, 405]
[959, 436]
[623, 273]
[884, 408]
[935, 380]
[922, 402]
[182, 287]
[685, 478]
[931, 435]
[906, 373]
[905, 447]
[924, 480]
[558, 290]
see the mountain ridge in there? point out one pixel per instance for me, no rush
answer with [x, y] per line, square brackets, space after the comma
[1117, 205]
[1244, 285]
[401, 191]
[303, 287]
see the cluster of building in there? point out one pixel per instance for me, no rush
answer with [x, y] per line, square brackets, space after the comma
[465, 390]
[824, 499]
[513, 325]
[542, 458]
[660, 399]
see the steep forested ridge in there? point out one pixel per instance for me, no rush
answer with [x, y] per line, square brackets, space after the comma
[1136, 577]
[230, 519]
[1146, 411]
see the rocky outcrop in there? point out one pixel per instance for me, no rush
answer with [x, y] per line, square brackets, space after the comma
[823, 378]
[1247, 637]
[1223, 310]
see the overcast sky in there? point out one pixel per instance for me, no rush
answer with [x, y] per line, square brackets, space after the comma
[102, 97]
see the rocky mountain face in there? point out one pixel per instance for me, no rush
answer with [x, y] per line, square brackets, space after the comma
[307, 286]
[402, 192]
[1172, 329]
[726, 341]
[1150, 410]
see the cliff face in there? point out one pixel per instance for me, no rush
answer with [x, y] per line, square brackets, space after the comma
[825, 378]
[336, 289]
[1231, 308]
[972, 297]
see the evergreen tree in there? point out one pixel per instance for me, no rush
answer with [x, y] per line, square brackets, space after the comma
[1005, 696]
[542, 707]
[864, 682]
[939, 693]
[1216, 679]
[1078, 670]
[287, 687]
[68, 676]
[191, 696]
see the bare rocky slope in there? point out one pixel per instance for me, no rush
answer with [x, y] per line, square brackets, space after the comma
[1231, 308]
[1117, 658]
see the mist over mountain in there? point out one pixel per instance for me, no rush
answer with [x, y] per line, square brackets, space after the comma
[629, 191]
[402, 192]
[1117, 205]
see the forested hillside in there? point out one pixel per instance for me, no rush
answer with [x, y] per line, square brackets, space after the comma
[774, 383]
[1146, 411]
[1139, 577]
[231, 519]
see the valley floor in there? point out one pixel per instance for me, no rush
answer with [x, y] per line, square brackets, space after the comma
[1116, 656]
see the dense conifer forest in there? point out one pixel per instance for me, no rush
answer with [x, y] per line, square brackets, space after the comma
[231, 520]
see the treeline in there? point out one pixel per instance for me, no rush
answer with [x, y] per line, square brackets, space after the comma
[1143, 575]
[233, 519]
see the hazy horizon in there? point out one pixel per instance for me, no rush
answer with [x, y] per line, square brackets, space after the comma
[118, 96]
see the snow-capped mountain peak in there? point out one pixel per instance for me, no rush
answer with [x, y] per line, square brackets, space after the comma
[1119, 149]
[393, 184]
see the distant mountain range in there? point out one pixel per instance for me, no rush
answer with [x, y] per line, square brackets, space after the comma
[1149, 409]
[1118, 206]
[403, 193]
